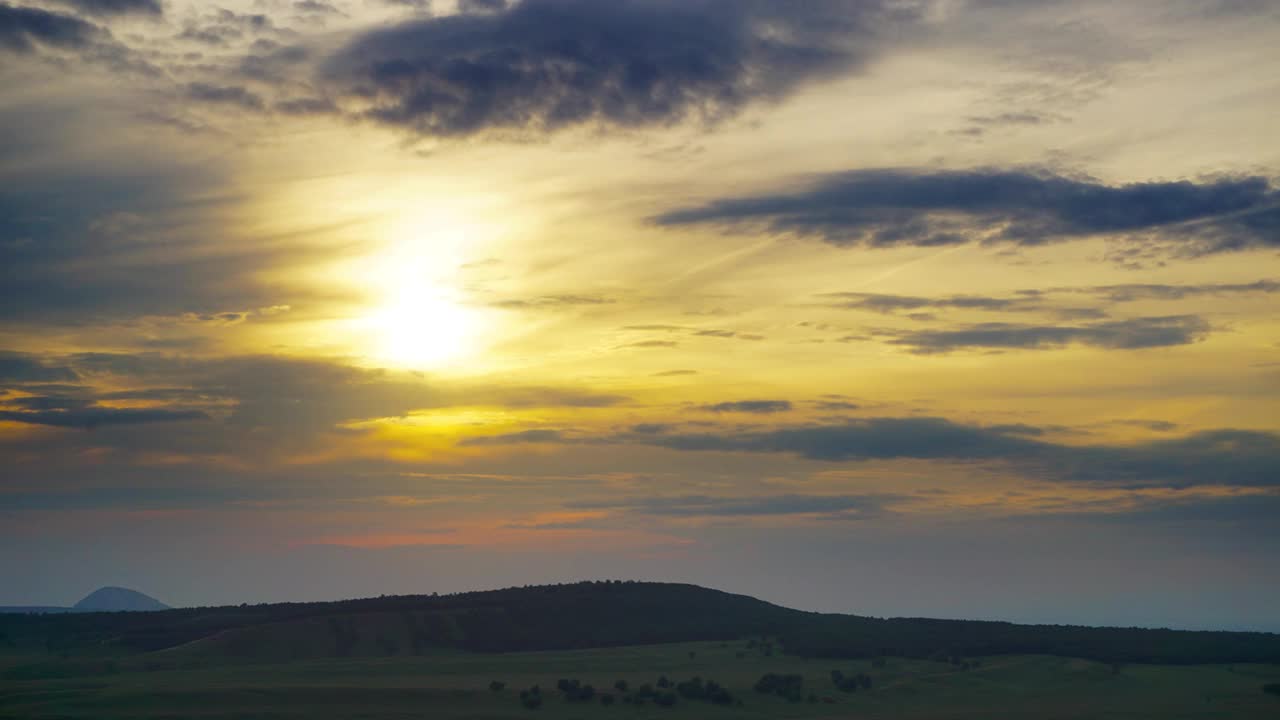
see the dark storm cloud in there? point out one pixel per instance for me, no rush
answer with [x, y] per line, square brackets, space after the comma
[24, 29]
[928, 208]
[1132, 334]
[773, 505]
[115, 7]
[544, 65]
[761, 407]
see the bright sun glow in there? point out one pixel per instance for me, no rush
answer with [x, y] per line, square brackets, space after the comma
[421, 328]
[420, 319]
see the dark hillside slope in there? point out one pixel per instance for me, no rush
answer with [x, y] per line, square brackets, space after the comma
[580, 615]
[592, 614]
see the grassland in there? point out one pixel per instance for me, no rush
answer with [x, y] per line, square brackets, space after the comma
[449, 684]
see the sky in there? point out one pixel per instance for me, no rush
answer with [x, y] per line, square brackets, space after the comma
[947, 308]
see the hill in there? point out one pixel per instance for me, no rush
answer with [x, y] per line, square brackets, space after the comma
[118, 599]
[592, 615]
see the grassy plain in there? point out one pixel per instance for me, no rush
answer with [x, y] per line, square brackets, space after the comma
[448, 685]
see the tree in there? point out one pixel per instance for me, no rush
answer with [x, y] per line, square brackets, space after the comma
[497, 686]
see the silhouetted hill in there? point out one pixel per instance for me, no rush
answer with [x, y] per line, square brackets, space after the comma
[116, 599]
[595, 614]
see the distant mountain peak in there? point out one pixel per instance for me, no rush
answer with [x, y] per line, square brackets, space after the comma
[115, 599]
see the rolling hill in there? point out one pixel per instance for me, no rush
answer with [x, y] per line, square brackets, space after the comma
[590, 615]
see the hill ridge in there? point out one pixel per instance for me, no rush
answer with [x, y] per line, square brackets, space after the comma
[594, 614]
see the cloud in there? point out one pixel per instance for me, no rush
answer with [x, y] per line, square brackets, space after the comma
[836, 405]
[652, 344]
[1132, 334]
[482, 6]
[516, 438]
[718, 333]
[224, 95]
[24, 29]
[115, 7]
[1150, 291]
[871, 438]
[314, 6]
[932, 208]
[88, 418]
[888, 304]
[1216, 457]
[259, 406]
[306, 106]
[23, 367]
[762, 407]
[554, 302]
[1152, 425]
[773, 505]
[1034, 300]
[545, 65]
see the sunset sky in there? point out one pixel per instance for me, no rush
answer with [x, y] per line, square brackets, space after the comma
[953, 308]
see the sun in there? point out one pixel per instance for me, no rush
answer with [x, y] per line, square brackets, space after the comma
[423, 328]
[418, 314]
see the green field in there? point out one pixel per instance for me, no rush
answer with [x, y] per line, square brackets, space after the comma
[451, 684]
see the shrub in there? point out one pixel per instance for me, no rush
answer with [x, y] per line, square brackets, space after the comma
[790, 687]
